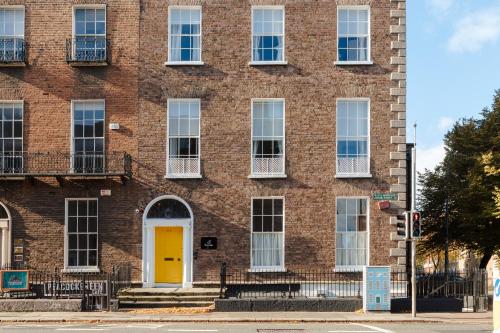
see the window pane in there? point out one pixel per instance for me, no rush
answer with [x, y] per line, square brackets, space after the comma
[267, 207]
[257, 207]
[267, 224]
[257, 223]
[72, 223]
[278, 224]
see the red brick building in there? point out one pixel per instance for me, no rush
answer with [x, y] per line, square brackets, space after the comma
[177, 135]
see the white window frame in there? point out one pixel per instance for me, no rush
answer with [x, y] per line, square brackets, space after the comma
[75, 269]
[73, 30]
[353, 175]
[72, 146]
[268, 268]
[350, 268]
[266, 63]
[183, 176]
[369, 47]
[22, 129]
[271, 175]
[171, 62]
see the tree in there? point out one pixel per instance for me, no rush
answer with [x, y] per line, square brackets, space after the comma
[468, 177]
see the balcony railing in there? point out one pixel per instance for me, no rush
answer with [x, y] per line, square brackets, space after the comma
[183, 167]
[268, 166]
[65, 165]
[12, 50]
[353, 165]
[87, 50]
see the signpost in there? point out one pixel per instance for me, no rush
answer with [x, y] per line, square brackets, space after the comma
[496, 298]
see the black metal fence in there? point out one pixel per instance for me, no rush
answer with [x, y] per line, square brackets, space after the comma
[94, 289]
[12, 50]
[87, 49]
[65, 164]
[346, 284]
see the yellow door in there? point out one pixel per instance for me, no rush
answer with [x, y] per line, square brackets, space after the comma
[168, 255]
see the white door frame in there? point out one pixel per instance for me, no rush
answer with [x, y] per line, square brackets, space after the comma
[148, 244]
[6, 230]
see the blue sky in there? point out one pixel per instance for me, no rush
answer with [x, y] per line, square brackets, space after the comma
[453, 67]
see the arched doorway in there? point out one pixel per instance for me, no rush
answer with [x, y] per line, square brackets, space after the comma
[5, 228]
[167, 246]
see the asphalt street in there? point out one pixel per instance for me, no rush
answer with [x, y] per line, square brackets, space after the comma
[248, 328]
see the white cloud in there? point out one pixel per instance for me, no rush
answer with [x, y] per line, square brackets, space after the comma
[445, 123]
[429, 157]
[440, 5]
[476, 30]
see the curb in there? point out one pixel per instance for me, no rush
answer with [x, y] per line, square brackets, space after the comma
[236, 320]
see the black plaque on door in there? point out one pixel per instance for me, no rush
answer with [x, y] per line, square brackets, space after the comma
[209, 243]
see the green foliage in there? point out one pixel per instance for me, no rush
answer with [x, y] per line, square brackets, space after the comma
[467, 176]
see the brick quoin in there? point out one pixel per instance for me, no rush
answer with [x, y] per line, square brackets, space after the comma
[136, 86]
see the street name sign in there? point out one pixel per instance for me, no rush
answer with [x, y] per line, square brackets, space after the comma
[385, 196]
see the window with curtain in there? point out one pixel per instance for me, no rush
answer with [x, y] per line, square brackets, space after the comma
[351, 232]
[184, 34]
[268, 30]
[11, 34]
[81, 233]
[90, 34]
[183, 137]
[353, 34]
[268, 137]
[11, 137]
[88, 136]
[353, 138]
[267, 233]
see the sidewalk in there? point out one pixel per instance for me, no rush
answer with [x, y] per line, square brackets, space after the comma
[312, 317]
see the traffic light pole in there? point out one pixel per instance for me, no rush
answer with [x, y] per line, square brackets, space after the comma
[413, 239]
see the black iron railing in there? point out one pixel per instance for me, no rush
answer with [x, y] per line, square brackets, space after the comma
[63, 164]
[12, 50]
[343, 284]
[87, 50]
[296, 284]
[94, 289]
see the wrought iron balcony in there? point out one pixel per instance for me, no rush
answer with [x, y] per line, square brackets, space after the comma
[273, 166]
[87, 51]
[50, 164]
[12, 51]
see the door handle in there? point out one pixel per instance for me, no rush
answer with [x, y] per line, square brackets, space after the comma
[168, 259]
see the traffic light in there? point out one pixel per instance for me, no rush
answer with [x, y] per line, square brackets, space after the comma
[403, 225]
[416, 225]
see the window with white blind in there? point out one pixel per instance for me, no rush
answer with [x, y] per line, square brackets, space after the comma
[352, 227]
[353, 35]
[81, 234]
[88, 137]
[267, 234]
[268, 138]
[184, 34]
[89, 34]
[353, 138]
[183, 131]
[11, 34]
[268, 34]
[11, 137]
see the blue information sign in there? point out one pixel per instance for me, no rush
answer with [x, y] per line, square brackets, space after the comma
[14, 280]
[377, 288]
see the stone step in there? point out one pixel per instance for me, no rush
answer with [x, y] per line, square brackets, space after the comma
[207, 284]
[175, 292]
[169, 298]
[166, 304]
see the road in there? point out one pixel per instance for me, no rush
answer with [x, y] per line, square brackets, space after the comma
[247, 328]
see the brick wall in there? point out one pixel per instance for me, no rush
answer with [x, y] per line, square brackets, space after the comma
[136, 87]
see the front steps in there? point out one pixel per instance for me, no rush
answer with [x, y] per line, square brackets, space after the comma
[167, 297]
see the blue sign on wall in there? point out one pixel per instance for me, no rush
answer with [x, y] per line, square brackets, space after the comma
[14, 280]
[497, 290]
